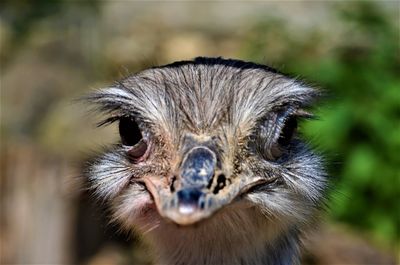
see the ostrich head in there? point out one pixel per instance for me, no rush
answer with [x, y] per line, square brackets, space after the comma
[209, 167]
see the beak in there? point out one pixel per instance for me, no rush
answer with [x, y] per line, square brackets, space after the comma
[201, 188]
[192, 201]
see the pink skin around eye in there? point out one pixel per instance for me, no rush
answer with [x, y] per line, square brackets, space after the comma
[138, 159]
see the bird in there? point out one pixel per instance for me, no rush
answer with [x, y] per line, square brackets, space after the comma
[210, 167]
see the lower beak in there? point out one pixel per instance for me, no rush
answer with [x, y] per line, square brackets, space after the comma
[188, 206]
[191, 205]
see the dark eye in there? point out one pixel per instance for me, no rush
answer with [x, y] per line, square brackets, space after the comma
[286, 134]
[131, 136]
[129, 131]
[287, 131]
[275, 134]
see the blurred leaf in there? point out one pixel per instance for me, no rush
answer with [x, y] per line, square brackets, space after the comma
[359, 125]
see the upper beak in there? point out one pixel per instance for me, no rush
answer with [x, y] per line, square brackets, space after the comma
[193, 200]
[201, 188]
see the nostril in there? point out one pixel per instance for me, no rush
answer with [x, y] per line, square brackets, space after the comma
[221, 183]
[210, 182]
[202, 203]
[172, 186]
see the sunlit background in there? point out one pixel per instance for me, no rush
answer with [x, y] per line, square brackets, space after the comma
[53, 52]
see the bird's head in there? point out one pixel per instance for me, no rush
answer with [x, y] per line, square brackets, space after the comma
[203, 137]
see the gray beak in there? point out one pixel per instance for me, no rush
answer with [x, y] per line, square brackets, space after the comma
[201, 188]
[193, 199]
[197, 172]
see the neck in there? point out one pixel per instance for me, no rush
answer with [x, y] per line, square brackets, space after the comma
[227, 238]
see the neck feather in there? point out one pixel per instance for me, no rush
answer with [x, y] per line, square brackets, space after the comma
[236, 237]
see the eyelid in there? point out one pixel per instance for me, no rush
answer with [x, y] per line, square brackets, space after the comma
[300, 113]
[282, 115]
[275, 121]
[139, 151]
[108, 121]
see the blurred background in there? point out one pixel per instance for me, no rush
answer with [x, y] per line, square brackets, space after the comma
[53, 52]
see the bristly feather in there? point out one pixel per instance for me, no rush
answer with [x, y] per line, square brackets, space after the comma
[231, 101]
[197, 95]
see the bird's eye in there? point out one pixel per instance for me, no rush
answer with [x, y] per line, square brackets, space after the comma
[129, 131]
[275, 134]
[279, 146]
[287, 131]
[131, 136]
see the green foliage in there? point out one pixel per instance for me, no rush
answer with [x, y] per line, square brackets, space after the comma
[359, 125]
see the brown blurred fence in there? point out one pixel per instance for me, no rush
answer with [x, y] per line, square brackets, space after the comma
[36, 206]
[48, 217]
